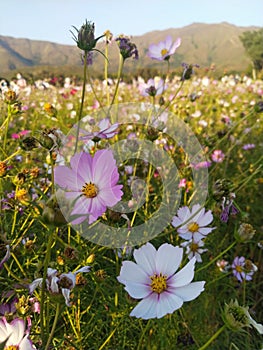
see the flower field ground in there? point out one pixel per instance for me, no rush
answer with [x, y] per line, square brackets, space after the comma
[138, 204]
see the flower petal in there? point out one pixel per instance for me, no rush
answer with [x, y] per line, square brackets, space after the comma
[190, 291]
[205, 219]
[103, 168]
[184, 276]
[134, 273]
[66, 294]
[82, 164]
[36, 283]
[183, 214]
[145, 258]
[168, 303]
[26, 344]
[146, 308]
[138, 290]
[168, 259]
[67, 178]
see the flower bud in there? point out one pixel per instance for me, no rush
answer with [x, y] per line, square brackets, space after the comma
[236, 317]
[29, 143]
[10, 96]
[221, 188]
[85, 38]
[127, 48]
[245, 232]
[52, 214]
[90, 259]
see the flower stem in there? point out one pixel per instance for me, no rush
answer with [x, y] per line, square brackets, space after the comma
[9, 114]
[42, 300]
[213, 338]
[106, 75]
[121, 64]
[54, 326]
[82, 99]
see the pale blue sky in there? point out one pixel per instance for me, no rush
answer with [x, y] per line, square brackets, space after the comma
[52, 19]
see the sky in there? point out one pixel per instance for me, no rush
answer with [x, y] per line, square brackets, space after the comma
[52, 20]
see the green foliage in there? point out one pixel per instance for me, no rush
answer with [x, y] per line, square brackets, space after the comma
[253, 44]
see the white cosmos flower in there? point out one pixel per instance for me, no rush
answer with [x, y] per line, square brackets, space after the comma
[56, 283]
[194, 249]
[153, 279]
[13, 335]
[191, 224]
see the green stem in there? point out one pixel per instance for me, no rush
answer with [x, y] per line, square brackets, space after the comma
[9, 114]
[106, 75]
[43, 286]
[54, 326]
[82, 99]
[217, 257]
[121, 64]
[213, 338]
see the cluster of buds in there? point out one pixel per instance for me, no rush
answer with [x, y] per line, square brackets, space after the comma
[127, 48]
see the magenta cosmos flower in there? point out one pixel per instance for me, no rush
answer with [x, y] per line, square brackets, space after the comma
[14, 333]
[164, 49]
[153, 279]
[191, 224]
[91, 183]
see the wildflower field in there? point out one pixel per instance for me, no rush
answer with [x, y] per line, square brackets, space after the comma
[131, 213]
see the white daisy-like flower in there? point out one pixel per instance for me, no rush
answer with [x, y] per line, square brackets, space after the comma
[57, 283]
[153, 278]
[194, 249]
[13, 335]
[190, 224]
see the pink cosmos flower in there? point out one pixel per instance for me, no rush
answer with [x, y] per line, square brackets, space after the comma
[91, 183]
[14, 333]
[217, 156]
[191, 224]
[164, 49]
[153, 279]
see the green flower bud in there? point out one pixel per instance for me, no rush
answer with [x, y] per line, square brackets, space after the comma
[52, 214]
[237, 317]
[85, 38]
[29, 143]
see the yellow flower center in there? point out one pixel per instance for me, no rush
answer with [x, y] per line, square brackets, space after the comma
[21, 195]
[239, 268]
[164, 52]
[193, 227]
[194, 247]
[158, 284]
[12, 347]
[90, 190]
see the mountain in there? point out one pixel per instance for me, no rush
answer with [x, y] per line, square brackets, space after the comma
[203, 44]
